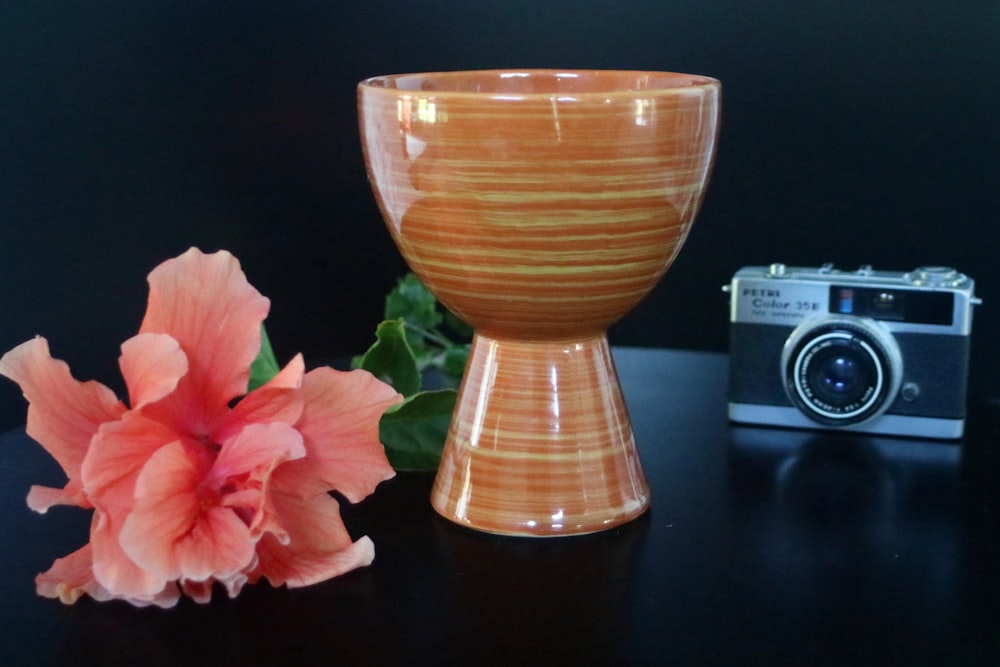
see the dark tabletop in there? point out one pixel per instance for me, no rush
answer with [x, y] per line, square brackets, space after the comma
[762, 547]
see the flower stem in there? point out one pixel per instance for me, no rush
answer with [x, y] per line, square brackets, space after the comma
[433, 336]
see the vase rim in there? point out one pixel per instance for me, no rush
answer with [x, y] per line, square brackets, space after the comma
[538, 83]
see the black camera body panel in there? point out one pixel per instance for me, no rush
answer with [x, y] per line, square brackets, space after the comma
[939, 366]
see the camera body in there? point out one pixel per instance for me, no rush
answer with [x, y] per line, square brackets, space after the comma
[871, 351]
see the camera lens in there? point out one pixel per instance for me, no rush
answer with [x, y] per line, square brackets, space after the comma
[838, 374]
[841, 371]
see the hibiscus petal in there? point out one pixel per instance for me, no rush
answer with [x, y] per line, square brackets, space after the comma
[256, 446]
[207, 305]
[167, 490]
[218, 546]
[266, 520]
[71, 577]
[175, 532]
[340, 427]
[276, 401]
[201, 591]
[41, 498]
[235, 583]
[251, 457]
[118, 452]
[63, 413]
[116, 572]
[289, 377]
[151, 364]
[165, 599]
[111, 470]
[318, 547]
[297, 567]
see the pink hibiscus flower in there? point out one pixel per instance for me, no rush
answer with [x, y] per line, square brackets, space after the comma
[195, 481]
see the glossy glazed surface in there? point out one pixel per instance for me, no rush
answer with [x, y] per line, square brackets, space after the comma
[541, 442]
[540, 206]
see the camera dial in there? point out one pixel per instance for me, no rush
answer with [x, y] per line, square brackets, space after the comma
[841, 370]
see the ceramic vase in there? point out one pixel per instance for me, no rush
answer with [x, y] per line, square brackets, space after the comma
[539, 206]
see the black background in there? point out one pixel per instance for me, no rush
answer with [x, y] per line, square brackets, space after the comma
[852, 132]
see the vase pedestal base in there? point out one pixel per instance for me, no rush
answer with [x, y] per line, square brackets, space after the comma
[540, 443]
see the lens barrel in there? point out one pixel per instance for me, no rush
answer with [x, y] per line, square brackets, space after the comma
[841, 370]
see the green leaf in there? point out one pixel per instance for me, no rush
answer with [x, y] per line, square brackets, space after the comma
[413, 302]
[455, 358]
[265, 366]
[391, 358]
[411, 351]
[414, 431]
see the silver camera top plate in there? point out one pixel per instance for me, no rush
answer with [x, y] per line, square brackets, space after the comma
[786, 296]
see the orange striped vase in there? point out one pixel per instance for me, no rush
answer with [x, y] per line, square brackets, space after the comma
[540, 206]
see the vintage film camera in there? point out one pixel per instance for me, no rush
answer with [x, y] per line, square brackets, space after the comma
[872, 351]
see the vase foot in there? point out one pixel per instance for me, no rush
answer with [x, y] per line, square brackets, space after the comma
[540, 442]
